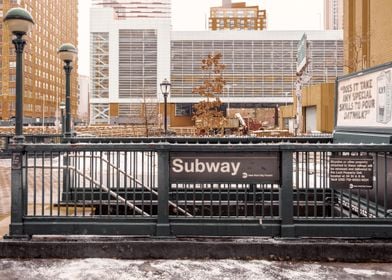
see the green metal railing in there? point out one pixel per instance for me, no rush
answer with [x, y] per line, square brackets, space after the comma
[125, 189]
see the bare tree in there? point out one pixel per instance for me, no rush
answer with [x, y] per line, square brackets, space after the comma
[208, 115]
[149, 115]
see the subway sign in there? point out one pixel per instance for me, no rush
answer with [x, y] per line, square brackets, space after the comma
[196, 167]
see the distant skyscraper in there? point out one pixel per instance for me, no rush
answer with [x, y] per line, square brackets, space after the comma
[333, 14]
[56, 22]
[137, 9]
[237, 16]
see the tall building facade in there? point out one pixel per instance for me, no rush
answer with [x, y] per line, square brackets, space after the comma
[260, 66]
[44, 77]
[367, 33]
[131, 57]
[124, 9]
[333, 14]
[237, 16]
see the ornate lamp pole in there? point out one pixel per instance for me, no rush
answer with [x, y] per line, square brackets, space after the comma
[67, 53]
[19, 22]
[165, 88]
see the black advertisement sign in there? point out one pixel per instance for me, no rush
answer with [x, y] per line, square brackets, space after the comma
[351, 172]
[192, 167]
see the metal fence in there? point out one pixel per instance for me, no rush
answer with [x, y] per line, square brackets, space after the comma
[7, 139]
[126, 189]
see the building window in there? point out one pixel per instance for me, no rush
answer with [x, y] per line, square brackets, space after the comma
[183, 109]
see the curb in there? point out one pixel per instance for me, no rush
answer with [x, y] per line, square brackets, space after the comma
[269, 249]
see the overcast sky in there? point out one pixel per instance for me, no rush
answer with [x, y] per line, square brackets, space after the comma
[192, 15]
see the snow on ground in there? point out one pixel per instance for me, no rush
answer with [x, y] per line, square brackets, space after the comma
[91, 269]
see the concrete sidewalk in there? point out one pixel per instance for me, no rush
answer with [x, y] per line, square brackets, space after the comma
[341, 250]
[102, 269]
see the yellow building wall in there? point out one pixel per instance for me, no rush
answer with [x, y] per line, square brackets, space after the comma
[323, 97]
[381, 31]
[175, 121]
[113, 109]
[367, 33]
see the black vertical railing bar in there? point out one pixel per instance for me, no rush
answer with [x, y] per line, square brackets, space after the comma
[114, 168]
[100, 182]
[25, 184]
[84, 185]
[306, 183]
[245, 188]
[58, 183]
[236, 201]
[192, 194]
[126, 183]
[340, 195]
[51, 184]
[385, 185]
[218, 196]
[227, 200]
[297, 187]
[377, 184]
[286, 194]
[316, 188]
[35, 184]
[118, 183]
[150, 179]
[350, 201]
[185, 190]
[271, 187]
[108, 185]
[323, 182]
[66, 180]
[367, 199]
[229, 192]
[75, 179]
[91, 185]
[254, 187]
[43, 184]
[134, 168]
[359, 202]
[263, 201]
[163, 226]
[142, 180]
[174, 187]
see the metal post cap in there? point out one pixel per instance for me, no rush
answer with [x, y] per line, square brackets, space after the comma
[19, 20]
[18, 13]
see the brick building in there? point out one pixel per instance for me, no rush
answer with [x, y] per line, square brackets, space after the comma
[44, 77]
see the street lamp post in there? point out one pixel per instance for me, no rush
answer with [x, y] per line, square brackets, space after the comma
[165, 88]
[67, 53]
[62, 107]
[19, 22]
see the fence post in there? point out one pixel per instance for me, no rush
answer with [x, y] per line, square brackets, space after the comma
[18, 193]
[163, 226]
[286, 195]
